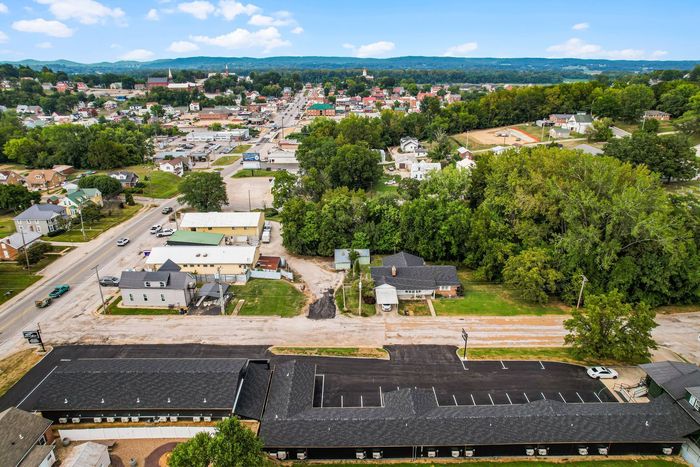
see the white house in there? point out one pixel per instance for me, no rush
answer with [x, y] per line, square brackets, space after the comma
[409, 144]
[579, 123]
[175, 166]
[421, 169]
[466, 164]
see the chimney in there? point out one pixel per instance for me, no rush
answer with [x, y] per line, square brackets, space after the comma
[393, 271]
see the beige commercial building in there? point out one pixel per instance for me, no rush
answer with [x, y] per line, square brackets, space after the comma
[233, 225]
[227, 260]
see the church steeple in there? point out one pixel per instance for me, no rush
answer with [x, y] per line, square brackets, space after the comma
[170, 75]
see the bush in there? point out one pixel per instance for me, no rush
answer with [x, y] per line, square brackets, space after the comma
[36, 252]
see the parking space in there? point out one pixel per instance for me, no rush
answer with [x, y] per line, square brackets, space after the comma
[453, 382]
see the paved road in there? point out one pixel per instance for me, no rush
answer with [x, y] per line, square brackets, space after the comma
[76, 270]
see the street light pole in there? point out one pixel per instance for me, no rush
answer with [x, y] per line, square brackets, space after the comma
[104, 307]
[465, 336]
[24, 247]
[82, 226]
[584, 279]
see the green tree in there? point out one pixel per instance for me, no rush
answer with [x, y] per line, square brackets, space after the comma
[354, 166]
[634, 100]
[231, 445]
[90, 212]
[608, 328]
[532, 274]
[601, 130]
[17, 198]
[103, 153]
[37, 251]
[283, 188]
[677, 100]
[108, 186]
[204, 191]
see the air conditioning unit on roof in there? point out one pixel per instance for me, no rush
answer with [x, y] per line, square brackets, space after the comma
[62, 420]
[110, 419]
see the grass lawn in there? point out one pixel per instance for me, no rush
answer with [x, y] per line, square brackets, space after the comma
[382, 187]
[226, 160]
[414, 308]
[551, 354]
[461, 140]
[533, 130]
[362, 352]
[351, 305]
[245, 173]
[691, 187]
[264, 297]
[113, 309]
[241, 148]
[92, 230]
[14, 367]
[161, 185]
[664, 126]
[7, 225]
[15, 278]
[638, 462]
[490, 299]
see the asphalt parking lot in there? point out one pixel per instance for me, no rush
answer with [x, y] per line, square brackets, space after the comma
[355, 382]
[362, 383]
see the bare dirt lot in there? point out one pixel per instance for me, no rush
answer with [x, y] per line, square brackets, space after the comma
[504, 136]
[238, 190]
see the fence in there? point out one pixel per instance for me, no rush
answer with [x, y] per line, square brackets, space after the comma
[155, 432]
[228, 278]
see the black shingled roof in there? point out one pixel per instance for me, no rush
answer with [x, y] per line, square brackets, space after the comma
[251, 400]
[402, 259]
[416, 277]
[411, 417]
[120, 384]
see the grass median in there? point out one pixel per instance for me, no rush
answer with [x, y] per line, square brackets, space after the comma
[226, 160]
[357, 352]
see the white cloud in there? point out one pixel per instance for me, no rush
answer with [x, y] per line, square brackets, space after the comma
[3, 8]
[137, 55]
[199, 9]
[580, 26]
[183, 46]
[575, 47]
[84, 11]
[42, 26]
[375, 49]
[658, 54]
[44, 45]
[152, 15]
[3, 37]
[461, 50]
[265, 39]
[297, 30]
[229, 9]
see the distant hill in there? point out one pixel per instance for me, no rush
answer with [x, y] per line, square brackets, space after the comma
[246, 64]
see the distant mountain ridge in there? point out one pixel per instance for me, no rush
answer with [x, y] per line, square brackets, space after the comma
[246, 64]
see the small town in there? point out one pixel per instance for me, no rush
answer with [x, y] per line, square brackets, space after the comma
[235, 234]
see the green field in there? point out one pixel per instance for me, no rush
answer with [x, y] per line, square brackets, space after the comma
[664, 126]
[245, 173]
[7, 225]
[161, 185]
[644, 462]
[265, 297]
[92, 230]
[241, 148]
[226, 160]
[490, 299]
[113, 309]
[14, 279]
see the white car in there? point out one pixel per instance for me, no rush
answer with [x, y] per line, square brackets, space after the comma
[122, 241]
[155, 229]
[165, 233]
[601, 372]
[386, 307]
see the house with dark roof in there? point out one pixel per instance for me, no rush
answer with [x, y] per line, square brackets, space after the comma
[167, 287]
[126, 178]
[410, 423]
[412, 279]
[25, 439]
[579, 123]
[41, 218]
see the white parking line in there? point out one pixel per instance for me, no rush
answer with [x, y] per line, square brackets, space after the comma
[436, 399]
[509, 401]
[462, 361]
[581, 398]
[562, 397]
[543, 398]
[503, 365]
[381, 396]
[526, 398]
[542, 365]
[491, 399]
[341, 401]
[596, 396]
[323, 387]
[40, 382]
[362, 402]
[473, 401]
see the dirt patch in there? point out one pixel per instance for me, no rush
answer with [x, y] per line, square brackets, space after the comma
[504, 136]
[146, 452]
[323, 308]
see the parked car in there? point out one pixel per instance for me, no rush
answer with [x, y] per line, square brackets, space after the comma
[601, 372]
[155, 229]
[167, 210]
[386, 307]
[43, 303]
[165, 233]
[109, 281]
[122, 241]
[59, 290]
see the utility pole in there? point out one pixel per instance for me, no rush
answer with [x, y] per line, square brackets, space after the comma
[24, 247]
[465, 336]
[41, 341]
[82, 226]
[222, 303]
[584, 279]
[249, 209]
[359, 298]
[99, 286]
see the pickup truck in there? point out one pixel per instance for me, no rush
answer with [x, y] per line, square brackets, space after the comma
[43, 303]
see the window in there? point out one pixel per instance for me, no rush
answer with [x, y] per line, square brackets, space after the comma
[145, 297]
[445, 287]
[147, 284]
[162, 297]
[162, 284]
[131, 298]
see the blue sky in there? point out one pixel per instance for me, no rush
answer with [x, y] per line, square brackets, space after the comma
[108, 30]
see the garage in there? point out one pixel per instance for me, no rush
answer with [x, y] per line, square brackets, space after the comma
[386, 297]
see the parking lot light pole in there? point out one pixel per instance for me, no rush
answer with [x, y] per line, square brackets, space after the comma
[584, 279]
[465, 336]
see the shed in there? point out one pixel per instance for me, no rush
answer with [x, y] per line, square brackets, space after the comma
[342, 258]
[386, 295]
[88, 455]
[211, 290]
